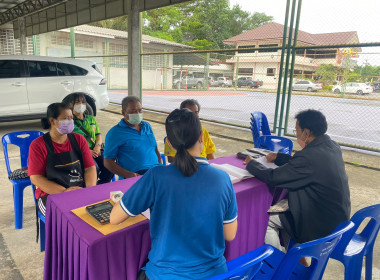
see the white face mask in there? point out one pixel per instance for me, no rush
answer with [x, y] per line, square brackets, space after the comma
[301, 142]
[80, 108]
[135, 118]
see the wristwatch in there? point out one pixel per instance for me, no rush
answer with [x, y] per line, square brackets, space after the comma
[99, 145]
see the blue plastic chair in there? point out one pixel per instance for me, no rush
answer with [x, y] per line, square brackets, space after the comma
[281, 266]
[354, 246]
[163, 158]
[275, 144]
[259, 126]
[41, 220]
[22, 139]
[246, 266]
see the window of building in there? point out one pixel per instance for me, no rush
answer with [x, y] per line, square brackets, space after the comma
[271, 71]
[241, 49]
[267, 46]
[245, 71]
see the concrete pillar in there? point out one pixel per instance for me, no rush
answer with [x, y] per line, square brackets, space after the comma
[23, 43]
[134, 49]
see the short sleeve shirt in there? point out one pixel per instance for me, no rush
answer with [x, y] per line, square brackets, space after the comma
[133, 150]
[91, 126]
[38, 155]
[186, 222]
[208, 146]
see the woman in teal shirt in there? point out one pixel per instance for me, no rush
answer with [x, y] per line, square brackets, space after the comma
[192, 205]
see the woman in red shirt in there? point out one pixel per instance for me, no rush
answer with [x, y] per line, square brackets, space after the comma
[59, 161]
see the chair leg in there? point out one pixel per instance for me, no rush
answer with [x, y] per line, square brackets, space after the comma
[353, 269]
[42, 235]
[368, 265]
[18, 201]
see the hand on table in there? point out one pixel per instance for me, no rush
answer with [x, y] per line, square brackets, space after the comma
[72, 188]
[271, 157]
[247, 160]
[132, 174]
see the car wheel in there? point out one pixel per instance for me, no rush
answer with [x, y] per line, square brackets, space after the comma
[250, 85]
[178, 85]
[337, 91]
[359, 92]
[309, 89]
[199, 85]
[223, 85]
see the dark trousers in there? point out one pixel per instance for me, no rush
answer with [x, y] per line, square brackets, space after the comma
[142, 275]
[104, 175]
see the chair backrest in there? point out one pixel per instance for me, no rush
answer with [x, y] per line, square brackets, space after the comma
[368, 234]
[22, 139]
[259, 126]
[319, 250]
[276, 144]
[247, 265]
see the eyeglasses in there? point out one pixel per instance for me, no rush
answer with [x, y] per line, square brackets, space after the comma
[295, 130]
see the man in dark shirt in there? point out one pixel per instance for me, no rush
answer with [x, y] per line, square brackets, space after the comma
[319, 196]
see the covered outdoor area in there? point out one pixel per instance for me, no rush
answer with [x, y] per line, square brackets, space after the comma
[76, 245]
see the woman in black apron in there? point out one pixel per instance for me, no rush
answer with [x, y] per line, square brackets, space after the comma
[68, 161]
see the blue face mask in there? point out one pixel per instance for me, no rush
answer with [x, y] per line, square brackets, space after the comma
[135, 119]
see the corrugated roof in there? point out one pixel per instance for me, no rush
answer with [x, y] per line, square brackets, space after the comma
[275, 30]
[106, 32]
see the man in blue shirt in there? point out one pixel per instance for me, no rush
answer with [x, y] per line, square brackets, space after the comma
[130, 146]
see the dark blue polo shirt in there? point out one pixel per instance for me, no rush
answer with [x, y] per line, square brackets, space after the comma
[133, 150]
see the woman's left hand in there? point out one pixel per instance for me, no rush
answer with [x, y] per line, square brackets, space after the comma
[96, 152]
[247, 160]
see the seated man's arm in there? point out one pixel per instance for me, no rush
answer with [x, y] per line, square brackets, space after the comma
[112, 166]
[295, 174]
[90, 176]
[210, 156]
[158, 155]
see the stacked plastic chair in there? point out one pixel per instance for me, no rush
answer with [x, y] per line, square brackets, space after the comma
[262, 137]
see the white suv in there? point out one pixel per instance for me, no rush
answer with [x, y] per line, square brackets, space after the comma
[28, 84]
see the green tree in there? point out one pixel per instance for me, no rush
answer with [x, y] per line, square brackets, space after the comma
[327, 73]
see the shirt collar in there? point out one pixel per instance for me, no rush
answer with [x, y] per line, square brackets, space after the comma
[201, 160]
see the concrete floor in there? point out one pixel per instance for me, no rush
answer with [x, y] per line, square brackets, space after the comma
[20, 257]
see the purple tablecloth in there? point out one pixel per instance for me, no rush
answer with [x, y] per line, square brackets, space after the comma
[75, 250]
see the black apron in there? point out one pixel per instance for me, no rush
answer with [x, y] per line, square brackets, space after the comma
[67, 168]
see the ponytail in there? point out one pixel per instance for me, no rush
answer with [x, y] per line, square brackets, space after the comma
[185, 162]
[183, 130]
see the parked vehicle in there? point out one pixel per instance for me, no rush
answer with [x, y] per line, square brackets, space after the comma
[30, 83]
[376, 87]
[357, 88]
[213, 82]
[224, 82]
[306, 86]
[248, 82]
[192, 81]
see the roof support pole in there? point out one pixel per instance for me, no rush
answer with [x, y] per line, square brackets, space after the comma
[134, 49]
[23, 43]
[72, 41]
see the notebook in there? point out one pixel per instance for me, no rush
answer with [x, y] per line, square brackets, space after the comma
[236, 174]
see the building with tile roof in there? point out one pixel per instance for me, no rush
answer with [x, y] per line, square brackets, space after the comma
[265, 64]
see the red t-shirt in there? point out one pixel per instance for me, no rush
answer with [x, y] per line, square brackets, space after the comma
[38, 155]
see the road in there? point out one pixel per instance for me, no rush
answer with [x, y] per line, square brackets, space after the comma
[352, 121]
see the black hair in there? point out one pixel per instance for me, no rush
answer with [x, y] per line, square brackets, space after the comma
[74, 97]
[183, 130]
[53, 111]
[313, 120]
[129, 99]
[190, 102]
